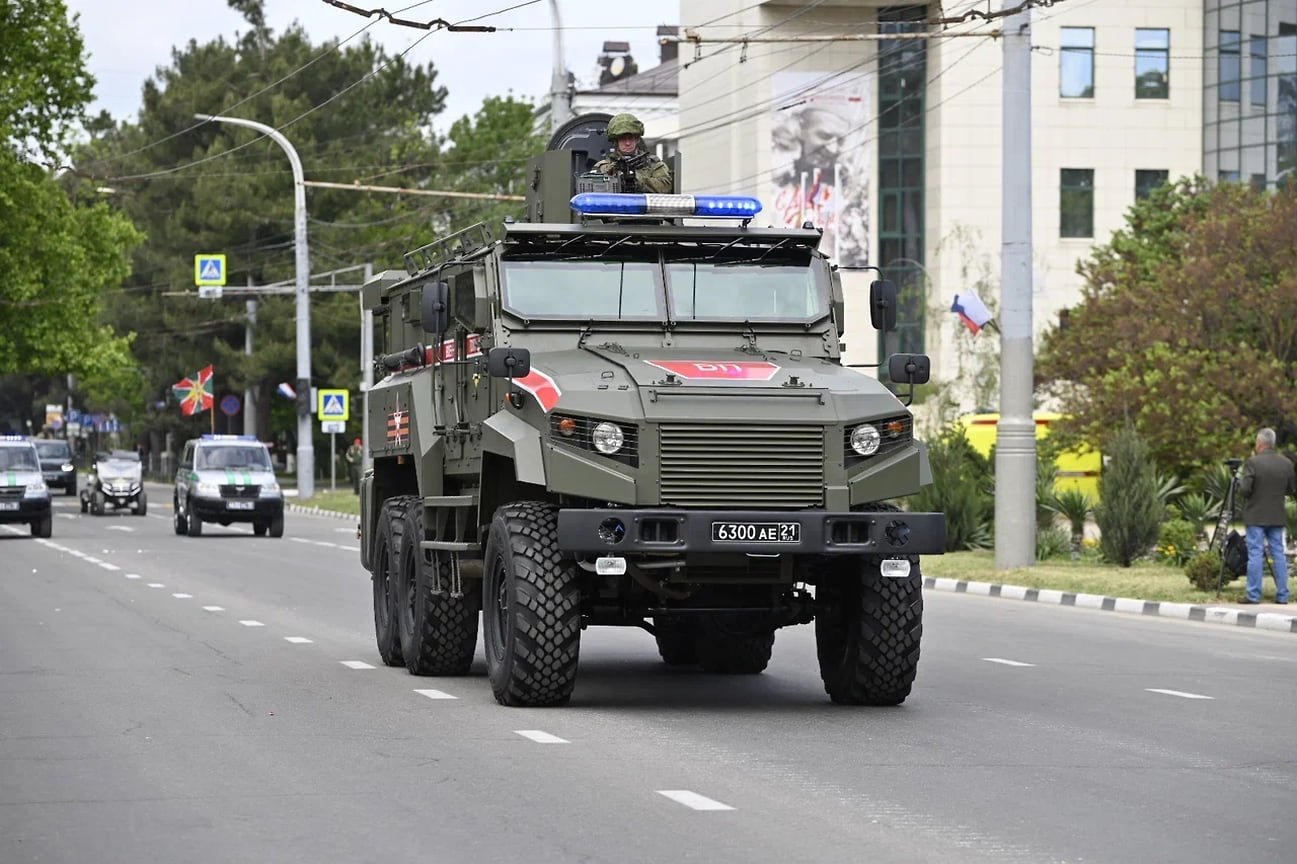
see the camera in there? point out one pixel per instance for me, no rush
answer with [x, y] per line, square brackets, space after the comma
[1233, 464]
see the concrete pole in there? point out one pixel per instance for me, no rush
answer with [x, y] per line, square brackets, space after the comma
[560, 100]
[305, 444]
[1015, 451]
[366, 369]
[250, 394]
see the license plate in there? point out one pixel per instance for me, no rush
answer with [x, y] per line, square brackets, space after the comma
[239, 505]
[8, 505]
[756, 532]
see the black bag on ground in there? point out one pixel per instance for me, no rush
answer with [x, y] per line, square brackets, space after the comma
[1236, 553]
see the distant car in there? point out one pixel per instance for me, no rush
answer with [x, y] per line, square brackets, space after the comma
[117, 481]
[227, 479]
[24, 497]
[56, 464]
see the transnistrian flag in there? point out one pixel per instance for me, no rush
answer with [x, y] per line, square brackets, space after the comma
[969, 307]
[193, 393]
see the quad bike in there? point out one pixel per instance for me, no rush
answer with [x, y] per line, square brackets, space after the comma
[116, 480]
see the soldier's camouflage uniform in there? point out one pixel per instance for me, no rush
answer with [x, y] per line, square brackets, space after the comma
[653, 176]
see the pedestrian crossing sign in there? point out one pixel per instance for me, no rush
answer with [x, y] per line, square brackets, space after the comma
[333, 405]
[209, 270]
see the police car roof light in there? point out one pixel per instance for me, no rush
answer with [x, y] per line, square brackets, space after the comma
[12, 438]
[626, 204]
[206, 437]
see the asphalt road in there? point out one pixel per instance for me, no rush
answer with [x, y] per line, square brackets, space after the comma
[220, 699]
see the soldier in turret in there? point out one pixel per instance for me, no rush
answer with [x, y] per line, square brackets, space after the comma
[639, 171]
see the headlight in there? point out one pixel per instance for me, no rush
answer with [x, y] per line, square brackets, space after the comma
[608, 438]
[211, 490]
[67, 467]
[37, 488]
[865, 439]
[270, 489]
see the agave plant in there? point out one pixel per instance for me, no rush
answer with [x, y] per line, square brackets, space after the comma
[1076, 507]
[1198, 510]
[1215, 484]
[1168, 488]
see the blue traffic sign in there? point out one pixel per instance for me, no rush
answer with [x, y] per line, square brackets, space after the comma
[230, 405]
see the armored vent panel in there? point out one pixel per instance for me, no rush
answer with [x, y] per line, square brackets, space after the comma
[742, 466]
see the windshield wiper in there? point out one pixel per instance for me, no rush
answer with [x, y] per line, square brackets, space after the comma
[756, 259]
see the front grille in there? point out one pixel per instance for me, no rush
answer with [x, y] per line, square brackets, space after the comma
[742, 466]
[12, 491]
[240, 491]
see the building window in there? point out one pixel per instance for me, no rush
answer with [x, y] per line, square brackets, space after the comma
[1258, 182]
[1076, 72]
[1152, 63]
[1147, 181]
[1228, 176]
[1230, 71]
[1076, 203]
[1286, 86]
[1258, 69]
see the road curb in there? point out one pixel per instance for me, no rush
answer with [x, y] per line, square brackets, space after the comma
[1183, 611]
[317, 511]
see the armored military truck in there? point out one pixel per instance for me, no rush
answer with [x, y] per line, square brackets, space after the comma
[610, 414]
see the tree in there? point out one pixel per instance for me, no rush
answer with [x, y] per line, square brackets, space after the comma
[1185, 328]
[46, 85]
[1129, 514]
[489, 153]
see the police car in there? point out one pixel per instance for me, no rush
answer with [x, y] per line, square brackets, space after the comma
[24, 497]
[227, 479]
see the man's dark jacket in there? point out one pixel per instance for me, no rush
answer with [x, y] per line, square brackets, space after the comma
[1267, 478]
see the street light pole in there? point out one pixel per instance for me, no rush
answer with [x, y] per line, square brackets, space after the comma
[560, 100]
[305, 446]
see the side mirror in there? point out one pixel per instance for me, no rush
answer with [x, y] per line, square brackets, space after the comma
[909, 368]
[882, 305]
[434, 308]
[508, 363]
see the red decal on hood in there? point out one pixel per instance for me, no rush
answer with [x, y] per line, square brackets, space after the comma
[540, 385]
[741, 370]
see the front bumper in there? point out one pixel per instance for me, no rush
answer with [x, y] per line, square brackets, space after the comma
[219, 509]
[60, 479]
[818, 532]
[29, 509]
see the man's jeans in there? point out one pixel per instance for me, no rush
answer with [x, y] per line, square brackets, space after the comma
[1258, 537]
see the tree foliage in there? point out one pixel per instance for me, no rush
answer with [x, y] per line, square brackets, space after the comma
[1185, 328]
[1129, 514]
[46, 85]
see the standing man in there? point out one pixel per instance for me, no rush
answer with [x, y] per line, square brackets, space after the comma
[639, 171]
[355, 457]
[1267, 479]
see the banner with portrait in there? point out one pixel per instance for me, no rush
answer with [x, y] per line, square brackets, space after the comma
[822, 158]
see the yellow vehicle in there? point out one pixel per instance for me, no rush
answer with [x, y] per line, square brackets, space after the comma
[1077, 469]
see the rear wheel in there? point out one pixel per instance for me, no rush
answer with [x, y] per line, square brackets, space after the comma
[867, 632]
[387, 540]
[438, 632]
[177, 518]
[193, 525]
[85, 504]
[531, 606]
[675, 640]
[734, 644]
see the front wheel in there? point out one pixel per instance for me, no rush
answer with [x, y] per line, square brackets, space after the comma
[142, 506]
[177, 518]
[734, 644]
[43, 528]
[193, 525]
[438, 631]
[97, 503]
[867, 631]
[675, 640]
[277, 526]
[531, 606]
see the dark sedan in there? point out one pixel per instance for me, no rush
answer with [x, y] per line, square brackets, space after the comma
[56, 464]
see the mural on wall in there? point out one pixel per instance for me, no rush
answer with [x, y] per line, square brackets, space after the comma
[822, 159]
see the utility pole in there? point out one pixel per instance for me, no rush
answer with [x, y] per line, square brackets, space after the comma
[366, 368]
[560, 100]
[250, 394]
[1015, 449]
[305, 444]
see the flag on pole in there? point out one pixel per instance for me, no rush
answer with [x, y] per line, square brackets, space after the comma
[969, 307]
[286, 390]
[193, 393]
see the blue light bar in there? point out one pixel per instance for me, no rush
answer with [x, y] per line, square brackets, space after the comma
[207, 437]
[626, 204]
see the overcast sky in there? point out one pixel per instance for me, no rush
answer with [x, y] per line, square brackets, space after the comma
[128, 39]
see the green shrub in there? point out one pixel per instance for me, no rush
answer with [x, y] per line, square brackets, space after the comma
[1074, 506]
[1198, 510]
[1129, 513]
[1204, 568]
[960, 477]
[1177, 542]
[1053, 541]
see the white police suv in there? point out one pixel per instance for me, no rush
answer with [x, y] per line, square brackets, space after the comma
[227, 479]
[24, 497]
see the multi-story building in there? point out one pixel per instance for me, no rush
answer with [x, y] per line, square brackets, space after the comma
[893, 145]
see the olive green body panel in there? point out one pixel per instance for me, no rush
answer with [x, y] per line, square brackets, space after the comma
[509, 436]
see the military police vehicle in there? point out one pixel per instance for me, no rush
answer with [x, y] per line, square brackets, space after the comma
[24, 497]
[227, 479]
[611, 415]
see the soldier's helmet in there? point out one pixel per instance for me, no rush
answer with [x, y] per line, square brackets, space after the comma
[624, 124]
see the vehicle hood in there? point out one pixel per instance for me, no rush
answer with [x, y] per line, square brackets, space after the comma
[235, 476]
[20, 477]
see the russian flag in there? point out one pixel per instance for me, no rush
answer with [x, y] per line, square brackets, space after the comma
[972, 310]
[286, 390]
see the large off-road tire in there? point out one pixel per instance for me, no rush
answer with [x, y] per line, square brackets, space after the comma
[867, 632]
[438, 633]
[43, 527]
[193, 525]
[386, 553]
[729, 645]
[531, 605]
[675, 638]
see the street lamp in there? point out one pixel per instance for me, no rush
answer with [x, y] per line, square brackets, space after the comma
[305, 447]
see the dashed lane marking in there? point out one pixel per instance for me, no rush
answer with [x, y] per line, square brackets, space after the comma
[156, 585]
[298, 640]
[1180, 693]
[213, 608]
[693, 800]
[251, 623]
[132, 575]
[356, 664]
[435, 694]
[125, 528]
[541, 737]
[1004, 662]
[183, 596]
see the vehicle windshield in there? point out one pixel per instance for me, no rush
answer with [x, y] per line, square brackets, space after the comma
[18, 459]
[117, 466]
[53, 449]
[784, 290]
[227, 456]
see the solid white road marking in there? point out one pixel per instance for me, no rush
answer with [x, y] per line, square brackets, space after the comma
[299, 540]
[435, 694]
[356, 664]
[693, 800]
[183, 596]
[125, 528]
[1180, 693]
[541, 737]
[297, 640]
[251, 623]
[132, 575]
[213, 608]
[156, 585]
[105, 565]
[1004, 662]
[89, 560]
